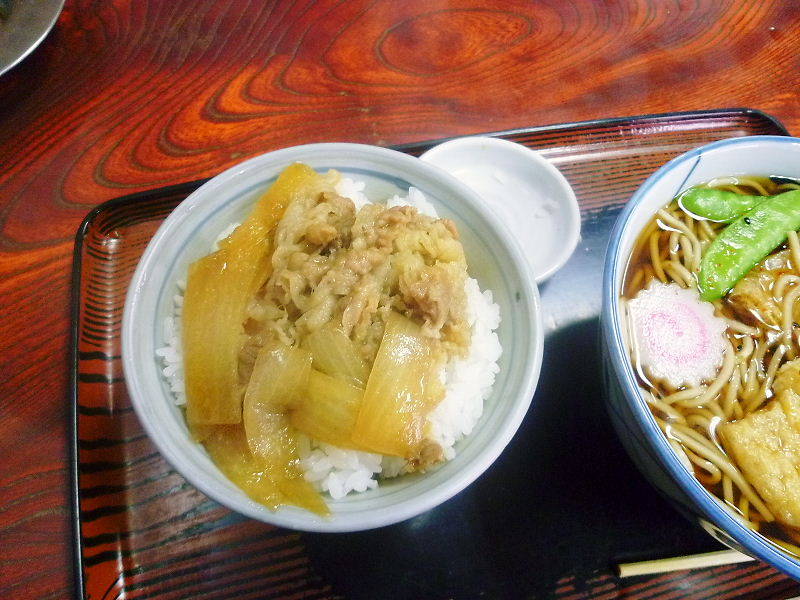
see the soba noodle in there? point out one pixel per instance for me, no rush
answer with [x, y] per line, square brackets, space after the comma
[670, 250]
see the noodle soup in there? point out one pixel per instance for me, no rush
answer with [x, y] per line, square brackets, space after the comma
[709, 299]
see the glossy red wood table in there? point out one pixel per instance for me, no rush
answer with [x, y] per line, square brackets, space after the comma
[126, 96]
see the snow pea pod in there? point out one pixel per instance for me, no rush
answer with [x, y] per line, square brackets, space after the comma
[746, 241]
[721, 206]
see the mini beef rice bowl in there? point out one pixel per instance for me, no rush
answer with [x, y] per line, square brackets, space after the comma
[328, 342]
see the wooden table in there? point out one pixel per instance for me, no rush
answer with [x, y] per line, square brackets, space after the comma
[128, 96]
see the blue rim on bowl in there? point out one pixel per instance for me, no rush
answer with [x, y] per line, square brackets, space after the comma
[186, 234]
[754, 544]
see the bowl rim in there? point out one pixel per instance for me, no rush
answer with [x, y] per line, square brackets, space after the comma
[428, 498]
[567, 201]
[757, 545]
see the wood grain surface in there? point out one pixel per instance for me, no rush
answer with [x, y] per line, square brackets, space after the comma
[127, 95]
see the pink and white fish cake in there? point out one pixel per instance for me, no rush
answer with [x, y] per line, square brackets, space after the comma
[676, 335]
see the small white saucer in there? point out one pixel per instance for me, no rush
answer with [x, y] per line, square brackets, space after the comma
[524, 190]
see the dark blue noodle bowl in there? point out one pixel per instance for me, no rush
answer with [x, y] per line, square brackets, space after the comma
[635, 425]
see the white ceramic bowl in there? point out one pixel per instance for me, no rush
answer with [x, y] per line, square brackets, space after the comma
[494, 259]
[757, 155]
[525, 191]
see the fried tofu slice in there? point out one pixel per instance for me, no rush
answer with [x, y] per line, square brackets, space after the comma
[751, 298]
[787, 378]
[766, 446]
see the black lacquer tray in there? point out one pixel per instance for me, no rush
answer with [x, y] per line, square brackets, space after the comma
[549, 519]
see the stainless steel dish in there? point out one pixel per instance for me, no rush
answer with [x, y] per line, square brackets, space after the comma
[27, 23]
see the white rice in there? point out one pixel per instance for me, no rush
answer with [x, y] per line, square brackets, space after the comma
[468, 381]
[171, 354]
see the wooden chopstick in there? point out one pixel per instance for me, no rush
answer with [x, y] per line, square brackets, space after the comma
[680, 563]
